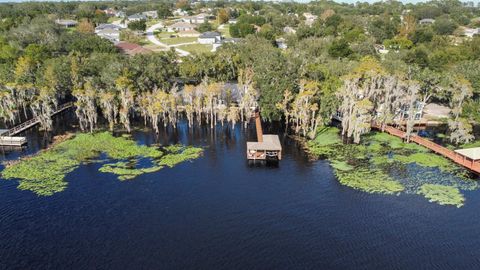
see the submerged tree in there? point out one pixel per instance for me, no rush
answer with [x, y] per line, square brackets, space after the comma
[125, 87]
[460, 128]
[86, 109]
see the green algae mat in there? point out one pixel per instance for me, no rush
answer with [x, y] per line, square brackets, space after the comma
[44, 173]
[385, 164]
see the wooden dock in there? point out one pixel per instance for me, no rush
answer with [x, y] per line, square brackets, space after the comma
[267, 147]
[34, 121]
[468, 158]
[8, 138]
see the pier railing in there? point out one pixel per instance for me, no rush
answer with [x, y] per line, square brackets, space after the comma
[32, 122]
[454, 156]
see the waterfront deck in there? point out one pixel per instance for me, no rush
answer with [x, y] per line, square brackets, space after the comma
[8, 138]
[12, 141]
[267, 147]
[468, 158]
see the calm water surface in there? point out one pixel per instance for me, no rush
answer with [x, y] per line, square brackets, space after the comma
[218, 212]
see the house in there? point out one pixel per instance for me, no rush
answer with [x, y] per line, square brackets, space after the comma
[418, 110]
[281, 43]
[131, 48]
[136, 17]
[181, 26]
[470, 32]
[110, 12]
[152, 14]
[179, 12]
[209, 38]
[309, 18]
[289, 30]
[120, 14]
[111, 34]
[66, 23]
[196, 19]
[218, 44]
[426, 21]
[379, 48]
[105, 26]
[188, 33]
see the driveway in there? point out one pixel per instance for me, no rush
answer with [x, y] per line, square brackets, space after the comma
[153, 39]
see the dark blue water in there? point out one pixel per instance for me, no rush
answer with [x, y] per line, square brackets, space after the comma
[218, 212]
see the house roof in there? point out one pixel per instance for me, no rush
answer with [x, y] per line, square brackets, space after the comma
[471, 153]
[182, 25]
[108, 32]
[189, 32]
[210, 35]
[105, 26]
[270, 142]
[427, 20]
[131, 48]
[66, 22]
[137, 16]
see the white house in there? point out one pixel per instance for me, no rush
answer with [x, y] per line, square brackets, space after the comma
[136, 17]
[209, 38]
[181, 26]
[105, 26]
[120, 14]
[281, 43]
[309, 18]
[379, 48]
[196, 19]
[470, 32]
[179, 12]
[111, 34]
[66, 23]
[289, 30]
[426, 21]
[153, 14]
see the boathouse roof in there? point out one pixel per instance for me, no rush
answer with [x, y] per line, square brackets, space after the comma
[471, 153]
[270, 142]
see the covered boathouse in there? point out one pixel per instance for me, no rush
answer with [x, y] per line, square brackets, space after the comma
[267, 147]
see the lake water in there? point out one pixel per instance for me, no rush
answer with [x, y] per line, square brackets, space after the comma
[218, 212]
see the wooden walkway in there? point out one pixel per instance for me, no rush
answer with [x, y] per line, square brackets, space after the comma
[454, 156]
[32, 122]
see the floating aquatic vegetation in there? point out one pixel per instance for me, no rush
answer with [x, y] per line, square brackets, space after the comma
[427, 160]
[322, 144]
[385, 164]
[443, 195]
[373, 181]
[413, 176]
[126, 171]
[44, 174]
[179, 154]
[341, 165]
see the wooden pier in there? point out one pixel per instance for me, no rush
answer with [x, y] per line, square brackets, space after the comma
[8, 138]
[267, 147]
[468, 158]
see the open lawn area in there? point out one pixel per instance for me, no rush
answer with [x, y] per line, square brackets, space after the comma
[178, 40]
[225, 31]
[196, 48]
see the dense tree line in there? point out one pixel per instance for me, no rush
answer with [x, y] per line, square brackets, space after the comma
[331, 65]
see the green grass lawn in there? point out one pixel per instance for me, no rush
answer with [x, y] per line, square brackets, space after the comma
[164, 34]
[178, 40]
[196, 48]
[225, 31]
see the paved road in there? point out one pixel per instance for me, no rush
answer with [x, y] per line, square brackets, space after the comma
[153, 39]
